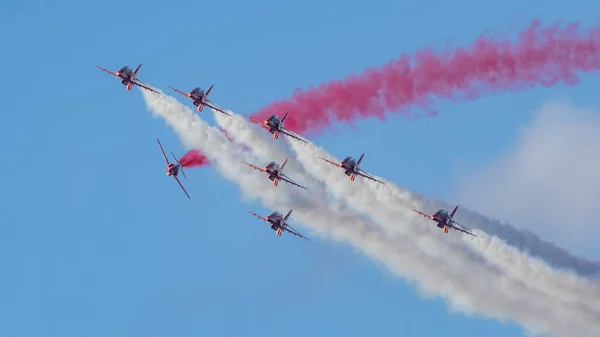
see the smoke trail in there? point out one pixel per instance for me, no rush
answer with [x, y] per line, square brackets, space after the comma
[229, 138]
[236, 127]
[538, 274]
[193, 158]
[540, 55]
[523, 240]
[389, 206]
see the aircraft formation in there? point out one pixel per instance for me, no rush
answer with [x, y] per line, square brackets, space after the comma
[274, 171]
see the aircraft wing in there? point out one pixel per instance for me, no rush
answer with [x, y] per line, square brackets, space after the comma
[290, 134]
[163, 152]
[460, 229]
[183, 188]
[258, 216]
[255, 167]
[215, 107]
[430, 217]
[330, 162]
[291, 230]
[142, 85]
[288, 180]
[108, 71]
[181, 92]
[368, 176]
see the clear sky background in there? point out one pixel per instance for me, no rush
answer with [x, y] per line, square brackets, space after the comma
[95, 239]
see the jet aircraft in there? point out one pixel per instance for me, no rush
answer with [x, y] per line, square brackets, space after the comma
[174, 169]
[279, 223]
[275, 126]
[200, 99]
[352, 168]
[275, 173]
[129, 77]
[444, 220]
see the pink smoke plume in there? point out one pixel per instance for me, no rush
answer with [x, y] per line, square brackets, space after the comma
[540, 56]
[193, 158]
[228, 136]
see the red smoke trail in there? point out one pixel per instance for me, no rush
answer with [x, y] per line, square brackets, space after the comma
[545, 56]
[193, 158]
[228, 136]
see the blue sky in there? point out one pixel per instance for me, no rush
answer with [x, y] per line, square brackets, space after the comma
[95, 240]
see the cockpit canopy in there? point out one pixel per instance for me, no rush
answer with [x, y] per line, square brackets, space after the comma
[276, 215]
[272, 164]
[273, 118]
[441, 211]
[348, 159]
[125, 69]
[197, 90]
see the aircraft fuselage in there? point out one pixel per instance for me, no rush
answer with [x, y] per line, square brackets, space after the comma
[126, 74]
[274, 123]
[443, 219]
[198, 99]
[349, 166]
[173, 169]
[274, 175]
[276, 225]
[273, 171]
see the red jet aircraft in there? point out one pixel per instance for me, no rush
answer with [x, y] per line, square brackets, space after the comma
[174, 169]
[200, 99]
[129, 77]
[445, 221]
[275, 126]
[279, 223]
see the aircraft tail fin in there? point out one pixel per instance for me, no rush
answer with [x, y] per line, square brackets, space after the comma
[137, 69]
[360, 159]
[288, 215]
[453, 212]
[181, 166]
[283, 165]
[209, 89]
[284, 117]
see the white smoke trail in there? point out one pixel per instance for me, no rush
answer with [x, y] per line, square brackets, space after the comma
[523, 240]
[391, 208]
[261, 142]
[467, 283]
[564, 285]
